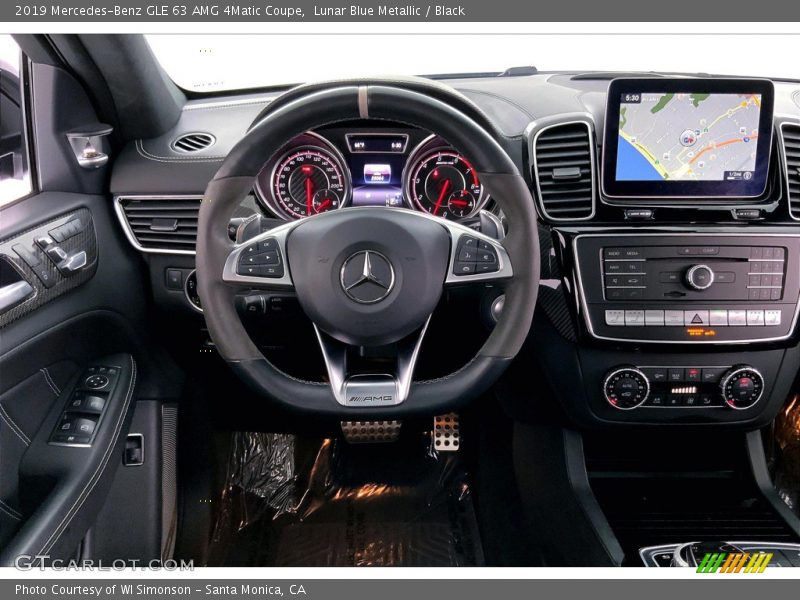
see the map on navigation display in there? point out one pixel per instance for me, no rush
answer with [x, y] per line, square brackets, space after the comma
[687, 137]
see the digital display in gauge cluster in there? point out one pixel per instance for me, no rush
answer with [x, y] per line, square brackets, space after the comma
[340, 167]
[376, 164]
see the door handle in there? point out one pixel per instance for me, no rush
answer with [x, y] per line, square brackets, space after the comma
[14, 293]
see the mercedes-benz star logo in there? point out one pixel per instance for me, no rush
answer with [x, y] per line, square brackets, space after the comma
[367, 277]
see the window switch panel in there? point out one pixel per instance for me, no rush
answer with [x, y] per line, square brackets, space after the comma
[83, 413]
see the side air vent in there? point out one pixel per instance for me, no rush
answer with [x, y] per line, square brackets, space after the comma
[791, 149]
[162, 225]
[563, 168]
[193, 142]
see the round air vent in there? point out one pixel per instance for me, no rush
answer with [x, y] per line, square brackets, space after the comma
[193, 142]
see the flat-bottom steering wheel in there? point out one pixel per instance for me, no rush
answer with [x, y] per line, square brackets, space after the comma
[367, 276]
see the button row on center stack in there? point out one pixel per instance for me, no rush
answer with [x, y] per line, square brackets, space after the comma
[696, 318]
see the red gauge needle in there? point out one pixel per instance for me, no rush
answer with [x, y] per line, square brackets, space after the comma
[324, 205]
[442, 193]
[458, 202]
[309, 202]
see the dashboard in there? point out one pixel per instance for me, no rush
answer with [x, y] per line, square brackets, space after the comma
[669, 226]
[369, 165]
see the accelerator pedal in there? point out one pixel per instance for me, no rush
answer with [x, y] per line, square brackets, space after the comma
[446, 436]
[371, 432]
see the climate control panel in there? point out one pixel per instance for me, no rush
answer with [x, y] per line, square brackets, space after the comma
[630, 387]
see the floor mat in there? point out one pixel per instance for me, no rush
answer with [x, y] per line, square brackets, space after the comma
[290, 501]
[786, 463]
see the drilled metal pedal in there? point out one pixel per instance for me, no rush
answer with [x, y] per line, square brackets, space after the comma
[446, 437]
[370, 432]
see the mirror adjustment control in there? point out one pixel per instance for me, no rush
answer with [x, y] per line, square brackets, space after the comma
[97, 382]
[626, 388]
[742, 387]
[99, 378]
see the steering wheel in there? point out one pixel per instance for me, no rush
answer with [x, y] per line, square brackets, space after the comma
[368, 276]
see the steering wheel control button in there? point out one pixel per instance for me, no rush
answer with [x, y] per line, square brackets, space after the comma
[268, 245]
[367, 277]
[261, 259]
[626, 388]
[475, 256]
[742, 387]
[97, 382]
[467, 255]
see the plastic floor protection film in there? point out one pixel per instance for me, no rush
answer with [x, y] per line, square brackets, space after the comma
[290, 501]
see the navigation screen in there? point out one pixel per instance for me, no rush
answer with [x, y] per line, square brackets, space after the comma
[687, 136]
[707, 139]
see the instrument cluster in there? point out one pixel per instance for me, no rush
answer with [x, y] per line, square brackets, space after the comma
[320, 171]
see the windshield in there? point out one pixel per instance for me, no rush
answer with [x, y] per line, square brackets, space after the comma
[212, 63]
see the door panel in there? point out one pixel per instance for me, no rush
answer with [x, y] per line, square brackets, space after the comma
[83, 308]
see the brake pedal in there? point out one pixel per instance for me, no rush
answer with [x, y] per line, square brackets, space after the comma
[446, 436]
[368, 432]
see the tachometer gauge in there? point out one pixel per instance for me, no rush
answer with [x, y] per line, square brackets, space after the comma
[307, 181]
[443, 183]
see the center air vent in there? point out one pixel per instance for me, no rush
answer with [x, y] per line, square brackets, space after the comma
[791, 149]
[167, 225]
[563, 168]
[193, 142]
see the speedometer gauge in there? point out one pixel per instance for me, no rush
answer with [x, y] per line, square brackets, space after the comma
[443, 183]
[307, 181]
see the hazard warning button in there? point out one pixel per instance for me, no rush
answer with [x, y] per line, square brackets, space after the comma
[695, 317]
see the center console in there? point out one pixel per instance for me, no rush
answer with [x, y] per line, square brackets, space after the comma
[687, 327]
[671, 290]
[689, 289]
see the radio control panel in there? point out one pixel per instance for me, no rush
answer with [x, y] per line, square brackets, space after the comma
[693, 272]
[688, 288]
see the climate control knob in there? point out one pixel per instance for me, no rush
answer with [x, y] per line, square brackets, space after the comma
[699, 277]
[742, 387]
[626, 388]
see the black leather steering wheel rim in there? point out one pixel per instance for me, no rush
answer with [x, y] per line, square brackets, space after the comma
[385, 100]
